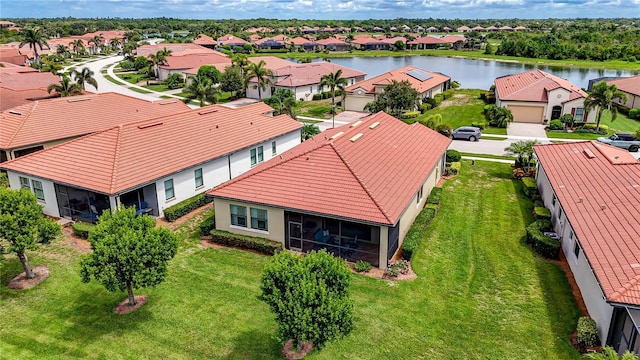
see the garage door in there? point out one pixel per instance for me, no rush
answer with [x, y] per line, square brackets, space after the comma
[527, 114]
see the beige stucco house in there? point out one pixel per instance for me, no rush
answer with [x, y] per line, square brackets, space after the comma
[631, 87]
[352, 190]
[535, 96]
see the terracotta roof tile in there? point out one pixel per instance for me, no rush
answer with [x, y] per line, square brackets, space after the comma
[203, 39]
[533, 86]
[630, 84]
[195, 60]
[400, 74]
[122, 157]
[54, 119]
[176, 49]
[370, 179]
[598, 187]
[310, 73]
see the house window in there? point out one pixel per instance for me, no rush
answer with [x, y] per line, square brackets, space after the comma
[37, 189]
[579, 114]
[274, 149]
[319, 88]
[259, 219]
[310, 89]
[168, 189]
[198, 176]
[24, 183]
[238, 215]
[553, 202]
[419, 196]
[576, 249]
[257, 155]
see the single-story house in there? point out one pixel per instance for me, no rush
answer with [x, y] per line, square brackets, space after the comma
[42, 124]
[593, 192]
[20, 85]
[463, 29]
[206, 41]
[152, 164]
[177, 64]
[333, 44]
[427, 83]
[432, 29]
[306, 44]
[13, 55]
[354, 190]
[270, 43]
[631, 87]
[425, 42]
[477, 28]
[535, 96]
[176, 49]
[303, 79]
[368, 42]
[232, 41]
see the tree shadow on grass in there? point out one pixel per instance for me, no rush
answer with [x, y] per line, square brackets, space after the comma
[255, 344]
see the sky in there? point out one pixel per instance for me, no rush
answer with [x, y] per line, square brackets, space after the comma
[321, 9]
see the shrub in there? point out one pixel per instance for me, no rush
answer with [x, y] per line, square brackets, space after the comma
[454, 168]
[362, 266]
[587, 331]
[556, 125]
[172, 213]
[634, 114]
[317, 96]
[424, 107]
[538, 203]
[435, 196]
[258, 244]
[444, 129]
[208, 223]
[453, 155]
[47, 231]
[530, 186]
[541, 213]
[174, 81]
[540, 243]
[590, 131]
[410, 114]
[82, 229]
[603, 127]
[480, 126]
[412, 239]
[431, 101]
[396, 268]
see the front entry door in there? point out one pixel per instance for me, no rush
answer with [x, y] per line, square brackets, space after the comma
[295, 236]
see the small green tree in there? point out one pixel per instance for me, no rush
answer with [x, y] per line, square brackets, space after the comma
[233, 81]
[397, 98]
[309, 297]
[283, 101]
[174, 81]
[601, 98]
[609, 353]
[498, 116]
[211, 72]
[21, 221]
[129, 252]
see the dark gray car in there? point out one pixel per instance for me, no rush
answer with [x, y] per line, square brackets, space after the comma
[470, 133]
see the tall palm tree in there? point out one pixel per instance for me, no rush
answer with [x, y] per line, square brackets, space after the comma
[241, 61]
[62, 50]
[262, 75]
[35, 38]
[77, 45]
[201, 88]
[115, 43]
[84, 76]
[65, 88]
[159, 57]
[333, 81]
[601, 98]
[97, 40]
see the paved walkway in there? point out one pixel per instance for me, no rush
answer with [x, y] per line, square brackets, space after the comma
[526, 130]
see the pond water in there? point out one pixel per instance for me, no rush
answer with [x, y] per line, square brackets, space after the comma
[472, 74]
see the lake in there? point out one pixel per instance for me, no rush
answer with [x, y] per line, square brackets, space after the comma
[471, 74]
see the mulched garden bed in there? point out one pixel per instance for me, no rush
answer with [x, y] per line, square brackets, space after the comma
[21, 282]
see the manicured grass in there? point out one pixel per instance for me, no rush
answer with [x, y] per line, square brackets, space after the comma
[131, 77]
[318, 108]
[140, 90]
[157, 87]
[621, 124]
[108, 77]
[494, 138]
[498, 300]
[488, 156]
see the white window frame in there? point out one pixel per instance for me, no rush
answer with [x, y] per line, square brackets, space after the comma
[24, 183]
[38, 189]
[166, 188]
[256, 155]
[235, 216]
[274, 148]
[575, 117]
[198, 177]
[261, 224]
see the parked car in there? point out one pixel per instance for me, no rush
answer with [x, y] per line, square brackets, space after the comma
[625, 141]
[470, 133]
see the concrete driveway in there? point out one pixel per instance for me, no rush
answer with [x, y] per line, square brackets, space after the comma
[526, 130]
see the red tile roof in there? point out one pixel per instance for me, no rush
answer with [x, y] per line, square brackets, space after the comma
[598, 187]
[12, 55]
[534, 86]
[370, 178]
[123, 157]
[195, 60]
[53, 119]
[426, 40]
[231, 40]
[400, 74]
[18, 85]
[311, 73]
[271, 62]
[629, 85]
[452, 39]
[299, 41]
[203, 39]
[176, 49]
[331, 41]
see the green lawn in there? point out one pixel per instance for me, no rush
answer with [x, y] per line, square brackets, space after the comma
[139, 90]
[108, 77]
[157, 87]
[488, 156]
[131, 77]
[318, 108]
[481, 293]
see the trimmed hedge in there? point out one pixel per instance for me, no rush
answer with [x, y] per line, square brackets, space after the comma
[410, 115]
[541, 213]
[435, 196]
[593, 126]
[258, 244]
[587, 331]
[414, 235]
[173, 213]
[82, 229]
[541, 244]
[530, 186]
[453, 155]
[208, 223]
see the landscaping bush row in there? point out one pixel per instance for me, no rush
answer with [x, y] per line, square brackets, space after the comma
[453, 156]
[435, 196]
[410, 115]
[452, 168]
[322, 95]
[172, 213]
[262, 245]
[541, 213]
[412, 239]
[540, 243]
[208, 223]
[530, 186]
[587, 331]
[82, 229]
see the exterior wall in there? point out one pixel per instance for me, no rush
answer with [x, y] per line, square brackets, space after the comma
[547, 109]
[50, 203]
[275, 219]
[357, 100]
[592, 294]
[578, 103]
[241, 160]
[633, 101]
[557, 97]
[163, 74]
[304, 92]
[384, 246]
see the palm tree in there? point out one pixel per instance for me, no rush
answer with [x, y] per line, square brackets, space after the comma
[309, 130]
[35, 38]
[84, 76]
[77, 45]
[608, 353]
[158, 57]
[62, 50]
[521, 148]
[97, 40]
[115, 43]
[241, 61]
[201, 88]
[262, 75]
[65, 88]
[333, 81]
[601, 98]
